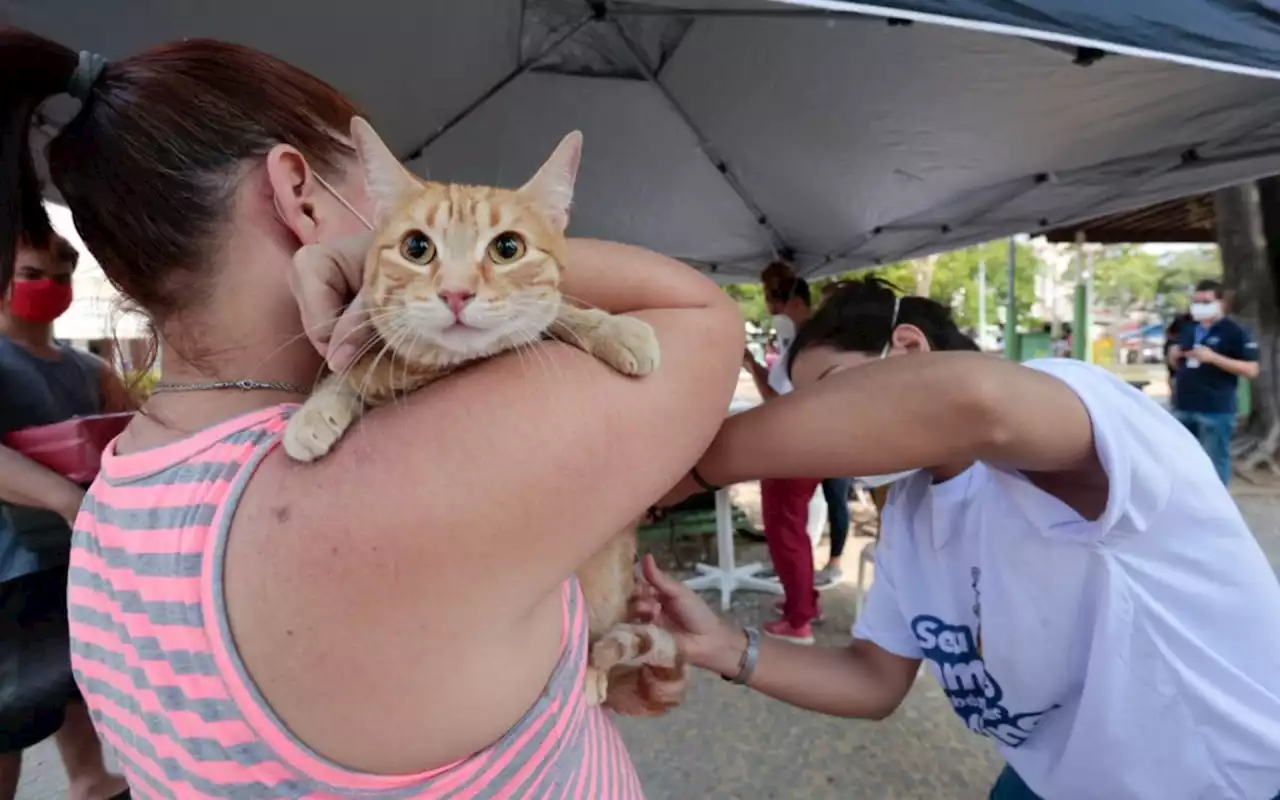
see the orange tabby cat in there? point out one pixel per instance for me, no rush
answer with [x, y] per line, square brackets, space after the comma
[459, 273]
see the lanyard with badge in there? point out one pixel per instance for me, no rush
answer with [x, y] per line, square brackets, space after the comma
[1199, 335]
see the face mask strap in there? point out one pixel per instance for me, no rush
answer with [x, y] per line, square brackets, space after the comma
[893, 325]
[342, 200]
[336, 196]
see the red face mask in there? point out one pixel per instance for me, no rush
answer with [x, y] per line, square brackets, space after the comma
[40, 301]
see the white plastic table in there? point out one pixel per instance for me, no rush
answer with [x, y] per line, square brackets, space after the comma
[727, 576]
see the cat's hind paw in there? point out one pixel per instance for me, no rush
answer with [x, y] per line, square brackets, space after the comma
[596, 687]
[629, 345]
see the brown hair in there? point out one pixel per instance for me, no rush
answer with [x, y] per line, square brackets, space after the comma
[862, 314]
[63, 251]
[151, 162]
[777, 274]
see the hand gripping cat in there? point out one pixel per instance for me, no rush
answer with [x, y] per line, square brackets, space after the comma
[460, 273]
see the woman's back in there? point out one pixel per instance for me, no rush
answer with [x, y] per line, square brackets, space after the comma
[155, 659]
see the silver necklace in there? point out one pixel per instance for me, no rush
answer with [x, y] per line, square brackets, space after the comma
[244, 385]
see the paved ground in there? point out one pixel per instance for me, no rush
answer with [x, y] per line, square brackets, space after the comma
[729, 743]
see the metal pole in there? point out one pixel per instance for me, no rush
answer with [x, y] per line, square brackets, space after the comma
[982, 303]
[1011, 307]
[1080, 323]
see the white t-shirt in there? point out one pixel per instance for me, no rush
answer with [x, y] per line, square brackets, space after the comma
[778, 380]
[1137, 656]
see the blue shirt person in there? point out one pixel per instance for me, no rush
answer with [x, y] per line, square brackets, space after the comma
[1210, 358]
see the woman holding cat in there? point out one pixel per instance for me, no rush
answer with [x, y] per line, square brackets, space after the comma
[397, 619]
[1061, 553]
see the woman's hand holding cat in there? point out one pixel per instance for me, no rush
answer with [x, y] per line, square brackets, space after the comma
[326, 282]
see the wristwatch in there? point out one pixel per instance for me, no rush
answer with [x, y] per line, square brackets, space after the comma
[747, 664]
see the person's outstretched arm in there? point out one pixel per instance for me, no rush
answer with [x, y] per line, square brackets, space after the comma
[925, 410]
[929, 409]
[862, 680]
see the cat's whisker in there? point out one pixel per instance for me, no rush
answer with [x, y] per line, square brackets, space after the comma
[546, 358]
[361, 392]
[411, 336]
[359, 354]
[579, 301]
[578, 341]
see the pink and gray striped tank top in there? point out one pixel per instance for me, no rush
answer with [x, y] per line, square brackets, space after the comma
[153, 656]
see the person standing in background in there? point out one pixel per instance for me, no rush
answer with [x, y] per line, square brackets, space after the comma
[1211, 357]
[785, 503]
[1172, 335]
[1062, 345]
[836, 492]
[43, 382]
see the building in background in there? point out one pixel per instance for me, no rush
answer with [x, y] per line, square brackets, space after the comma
[97, 320]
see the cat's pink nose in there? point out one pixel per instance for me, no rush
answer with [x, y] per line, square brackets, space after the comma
[457, 300]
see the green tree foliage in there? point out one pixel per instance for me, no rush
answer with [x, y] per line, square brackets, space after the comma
[750, 297]
[1125, 278]
[1128, 278]
[955, 281]
[1182, 271]
[952, 278]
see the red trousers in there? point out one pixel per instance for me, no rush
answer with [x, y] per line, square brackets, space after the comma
[785, 504]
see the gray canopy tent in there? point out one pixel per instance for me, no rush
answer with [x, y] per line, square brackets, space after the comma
[726, 132]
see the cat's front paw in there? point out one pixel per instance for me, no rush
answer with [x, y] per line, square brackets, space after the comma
[315, 428]
[629, 345]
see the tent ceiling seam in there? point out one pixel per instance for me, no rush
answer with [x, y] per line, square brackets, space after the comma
[780, 244]
[1187, 157]
[521, 68]
[1022, 187]
[624, 9]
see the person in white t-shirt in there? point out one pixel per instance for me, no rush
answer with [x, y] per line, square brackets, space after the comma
[1066, 560]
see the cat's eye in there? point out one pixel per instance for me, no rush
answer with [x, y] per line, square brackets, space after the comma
[417, 247]
[506, 248]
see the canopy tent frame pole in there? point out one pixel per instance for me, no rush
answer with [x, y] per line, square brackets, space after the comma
[1082, 326]
[1022, 189]
[628, 10]
[1011, 343]
[780, 245]
[1189, 156]
[982, 303]
[493, 90]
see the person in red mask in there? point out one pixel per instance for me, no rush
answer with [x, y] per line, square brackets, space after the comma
[43, 382]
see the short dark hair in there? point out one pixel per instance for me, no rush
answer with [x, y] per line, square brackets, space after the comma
[1210, 285]
[57, 245]
[796, 288]
[859, 318]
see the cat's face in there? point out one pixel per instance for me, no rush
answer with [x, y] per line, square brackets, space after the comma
[462, 272]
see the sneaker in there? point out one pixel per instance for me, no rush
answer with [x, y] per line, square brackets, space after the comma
[827, 577]
[778, 606]
[779, 629]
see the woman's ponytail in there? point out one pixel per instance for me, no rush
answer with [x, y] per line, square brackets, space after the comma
[32, 69]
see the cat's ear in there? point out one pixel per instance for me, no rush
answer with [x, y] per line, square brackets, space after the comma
[552, 187]
[385, 178]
